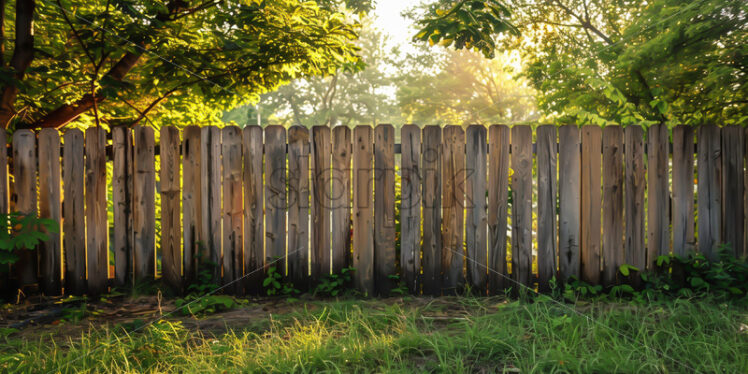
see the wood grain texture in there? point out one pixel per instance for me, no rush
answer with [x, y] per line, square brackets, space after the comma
[73, 214]
[709, 161]
[210, 199]
[498, 194]
[475, 202]
[613, 238]
[122, 200]
[547, 231]
[732, 187]
[254, 248]
[24, 197]
[96, 212]
[658, 194]
[298, 206]
[384, 209]
[191, 198]
[569, 177]
[363, 210]
[50, 251]
[171, 228]
[683, 198]
[232, 208]
[432, 201]
[591, 204]
[321, 201]
[144, 207]
[341, 198]
[275, 196]
[453, 208]
[634, 195]
[522, 204]
[410, 208]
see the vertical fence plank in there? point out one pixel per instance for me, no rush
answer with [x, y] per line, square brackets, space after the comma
[171, 229]
[74, 224]
[569, 201]
[709, 193]
[732, 187]
[341, 197]
[191, 200]
[363, 210]
[498, 194]
[683, 219]
[298, 206]
[275, 196]
[50, 254]
[210, 195]
[453, 209]
[384, 208]
[658, 197]
[475, 202]
[232, 207]
[24, 196]
[321, 201]
[591, 201]
[122, 203]
[613, 254]
[253, 206]
[96, 211]
[522, 204]
[546, 160]
[634, 195]
[432, 222]
[144, 207]
[5, 288]
[410, 207]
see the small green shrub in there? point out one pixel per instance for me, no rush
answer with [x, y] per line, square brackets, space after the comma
[22, 231]
[333, 285]
[275, 286]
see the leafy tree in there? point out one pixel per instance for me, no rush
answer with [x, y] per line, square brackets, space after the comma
[170, 61]
[629, 62]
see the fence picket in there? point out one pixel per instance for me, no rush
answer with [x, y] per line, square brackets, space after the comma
[569, 214]
[546, 160]
[475, 202]
[254, 230]
[96, 212]
[341, 198]
[144, 207]
[363, 210]
[5, 287]
[634, 195]
[613, 254]
[522, 204]
[453, 200]
[432, 202]
[232, 207]
[122, 200]
[384, 208]
[591, 201]
[658, 197]
[50, 251]
[709, 193]
[275, 196]
[191, 198]
[683, 219]
[298, 206]
[24, 197]
[732, 187]
[73, 224]
[210, 194]
[498, 194]
[171, 229]
[410, 208]
[321, 201]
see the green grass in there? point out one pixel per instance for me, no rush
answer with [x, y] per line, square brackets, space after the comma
[455, 334]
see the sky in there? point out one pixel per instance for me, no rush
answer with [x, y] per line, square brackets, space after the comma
[389, 20]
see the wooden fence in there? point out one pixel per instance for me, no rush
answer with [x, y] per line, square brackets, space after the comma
[315, 201]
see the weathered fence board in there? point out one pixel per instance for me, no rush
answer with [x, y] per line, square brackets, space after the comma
[709, 193]
[546, 160]
[321, 201]
[634, 195]
[475, 203]
[363, 210]
[171, 229]
[658, 197]
[50, 251]
[498, 194]
[341, 198]
[232, 207]
[210, 198]
[275, 197]
[569, 201]
[24, 197]
[122, 200]
[97, 227]
[298, 206]
[522, 204]
[144, 206]
[683, 214]
[384, 209]
[254, 249]
[410, 208]
[591, 202]
[5, 287]
[613, 238]
[732, 187]
[432, 202]
[191, 201]
[73, 224]
[453, 204]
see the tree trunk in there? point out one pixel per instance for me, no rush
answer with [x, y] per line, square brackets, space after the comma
[23, 54]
